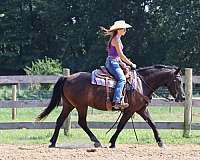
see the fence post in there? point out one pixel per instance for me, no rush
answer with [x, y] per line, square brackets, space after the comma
[14, 98]
[188, 102]
[67, 122]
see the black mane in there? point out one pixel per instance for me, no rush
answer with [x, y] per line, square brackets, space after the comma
[149, 70]
[157, 66]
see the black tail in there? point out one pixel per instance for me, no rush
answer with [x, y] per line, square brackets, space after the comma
[55, 99]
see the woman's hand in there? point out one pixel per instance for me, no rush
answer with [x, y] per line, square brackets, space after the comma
[123, 65]
[133, 66]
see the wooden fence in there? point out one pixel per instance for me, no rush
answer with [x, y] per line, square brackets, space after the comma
[13, 80]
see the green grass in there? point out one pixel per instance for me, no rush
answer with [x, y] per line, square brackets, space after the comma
[127, 136]
[26, 136]
[157, 113]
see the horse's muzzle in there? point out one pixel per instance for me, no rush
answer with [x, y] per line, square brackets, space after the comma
[180, 99]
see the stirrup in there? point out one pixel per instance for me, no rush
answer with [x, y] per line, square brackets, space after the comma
[124, 105]
[120, 106]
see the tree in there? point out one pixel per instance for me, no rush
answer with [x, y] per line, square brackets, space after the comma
[164, 32]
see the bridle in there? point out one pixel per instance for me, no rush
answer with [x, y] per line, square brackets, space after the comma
[173, 79]
[168, 84]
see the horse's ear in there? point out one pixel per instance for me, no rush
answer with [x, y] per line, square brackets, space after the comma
[177, 71]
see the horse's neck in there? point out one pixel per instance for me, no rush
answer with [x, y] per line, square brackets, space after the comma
[154, 81]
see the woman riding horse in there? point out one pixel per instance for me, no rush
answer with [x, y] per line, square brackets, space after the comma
[77, 92]
[115, 58]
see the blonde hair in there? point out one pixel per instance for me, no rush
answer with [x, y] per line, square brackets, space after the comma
[107, 32]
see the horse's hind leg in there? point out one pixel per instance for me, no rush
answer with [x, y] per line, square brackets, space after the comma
[67, 108]
[146, 116]
[82, 113]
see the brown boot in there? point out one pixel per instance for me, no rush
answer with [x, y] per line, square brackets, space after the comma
[124, 105]
[120, 106]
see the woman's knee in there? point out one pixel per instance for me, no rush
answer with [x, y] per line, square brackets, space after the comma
[122, 79]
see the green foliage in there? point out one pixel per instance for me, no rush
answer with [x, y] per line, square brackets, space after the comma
[5, 92]
[164, 32]
[36, 93]
[29, 93]
[46, 66]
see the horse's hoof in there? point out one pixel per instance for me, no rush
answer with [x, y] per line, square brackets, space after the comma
[97, 145]
[112, 146]
[161, 145]
[52, 145]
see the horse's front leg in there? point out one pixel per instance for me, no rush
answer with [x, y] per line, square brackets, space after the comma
[146, 116]
[126, 116]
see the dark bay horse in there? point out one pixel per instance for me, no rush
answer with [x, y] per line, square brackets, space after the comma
[77, 92]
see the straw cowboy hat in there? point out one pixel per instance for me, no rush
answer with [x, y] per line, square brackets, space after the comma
[119, 25]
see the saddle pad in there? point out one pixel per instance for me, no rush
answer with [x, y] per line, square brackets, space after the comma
[102, 81]
[139, 86]
[135, 82]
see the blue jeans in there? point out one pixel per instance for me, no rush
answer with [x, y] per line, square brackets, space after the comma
[114, 68]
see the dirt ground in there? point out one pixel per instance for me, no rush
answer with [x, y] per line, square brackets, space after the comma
[80, 152]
